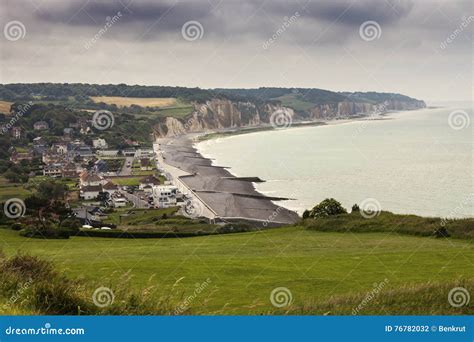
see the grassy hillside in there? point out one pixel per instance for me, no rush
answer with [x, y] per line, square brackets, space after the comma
[324, 271]
[393, 223]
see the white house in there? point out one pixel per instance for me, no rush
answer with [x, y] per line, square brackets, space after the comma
[90, 191]
[99, 143]
[108, 153]
[119, 202]
[164, 196]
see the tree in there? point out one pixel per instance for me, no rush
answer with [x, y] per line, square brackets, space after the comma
[306, 214]
[328, 207]
[355, 208]
[49, 190]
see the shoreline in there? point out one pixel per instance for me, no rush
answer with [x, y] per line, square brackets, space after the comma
[220, 194]
[217, 193]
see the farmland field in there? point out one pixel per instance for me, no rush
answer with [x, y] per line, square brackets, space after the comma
[139, 101]
[5, 107]
[244, 268]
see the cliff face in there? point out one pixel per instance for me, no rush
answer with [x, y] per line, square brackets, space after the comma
[221, 113]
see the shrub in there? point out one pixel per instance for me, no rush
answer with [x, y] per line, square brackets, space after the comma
[328, 207]
[355, 208]
[16, 226]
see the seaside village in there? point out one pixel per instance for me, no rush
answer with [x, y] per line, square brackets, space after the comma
[99, 178]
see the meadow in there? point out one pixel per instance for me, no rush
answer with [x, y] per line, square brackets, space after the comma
[326, 272]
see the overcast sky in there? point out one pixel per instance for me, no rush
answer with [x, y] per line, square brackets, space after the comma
[244, 44]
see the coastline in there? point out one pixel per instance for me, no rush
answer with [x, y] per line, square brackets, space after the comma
[216, 192]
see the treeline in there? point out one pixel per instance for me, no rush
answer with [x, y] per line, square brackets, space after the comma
[81, 91]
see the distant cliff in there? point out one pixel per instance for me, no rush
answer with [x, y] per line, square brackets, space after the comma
[222, 113]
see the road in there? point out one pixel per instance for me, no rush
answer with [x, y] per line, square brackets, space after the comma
[137, 202]
[127, 170]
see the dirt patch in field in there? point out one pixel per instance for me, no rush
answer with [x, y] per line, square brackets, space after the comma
[139, 101]
[5, 107]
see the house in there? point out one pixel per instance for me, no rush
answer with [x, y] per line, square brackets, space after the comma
[91, 179]
[108, 153]
[40, 126]
[129, 152]
[165, 196]
[99, 143]
[89, 192]
[16, 132]
[69, 171]
[110, 188]
[118, 201]
[53, 170]
[84, 152]
[144, 153]
[59, 148]
[145, 164]
[148, 182]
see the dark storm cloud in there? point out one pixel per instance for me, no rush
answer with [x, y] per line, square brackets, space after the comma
[226, 18]
[89, 12]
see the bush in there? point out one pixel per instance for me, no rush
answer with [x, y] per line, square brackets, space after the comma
[45, 234]
[328, 207]
[16, 226]
[355, 208]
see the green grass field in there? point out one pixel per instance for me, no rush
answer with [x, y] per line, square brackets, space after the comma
[244, 268]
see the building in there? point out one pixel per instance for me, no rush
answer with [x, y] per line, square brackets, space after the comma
[110, 188]
[118, 201]
[69, 171]
[165, 196]
[84, 152]
[59, 148]
[108, 153]
[16, 132]
[89, 192]
[99, 143]
[40, 126]
[144, 153]
[91, 179]
[53, 170]
[145, 164]
[147, 183]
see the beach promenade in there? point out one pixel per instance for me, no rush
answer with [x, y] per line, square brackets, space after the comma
[217, 193]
